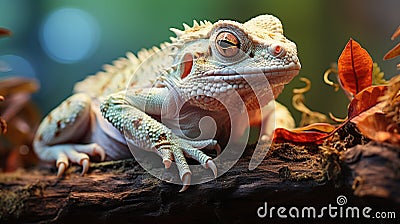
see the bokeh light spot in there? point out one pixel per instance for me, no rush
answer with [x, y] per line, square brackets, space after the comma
[13, 65]
[69, 35]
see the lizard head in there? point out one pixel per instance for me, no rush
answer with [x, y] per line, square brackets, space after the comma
[214, 60]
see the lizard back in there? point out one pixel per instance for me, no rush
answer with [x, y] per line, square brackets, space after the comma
[127, 72]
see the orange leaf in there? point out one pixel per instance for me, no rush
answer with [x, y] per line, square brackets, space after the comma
[355, 68]
[283, 135]
[365, 100]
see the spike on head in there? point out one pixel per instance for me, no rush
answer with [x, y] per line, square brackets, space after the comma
[186, 26]
[177, 32]
[195, 24]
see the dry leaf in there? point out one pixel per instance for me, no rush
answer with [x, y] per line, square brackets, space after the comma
[396, 33]
[366, 99]
[13, 85]
[22, 118]
[394, 52]
[355, 68]
[314, 133]
[380, 121]
[391, 101]
[4, 32]
[374, 126]
[283, 135]
[3, 123]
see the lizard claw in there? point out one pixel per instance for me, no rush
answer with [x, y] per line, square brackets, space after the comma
[85, 166]
[186, 181]
[61, 169]
[100, 151]
[167, 163]
[210, 164]
[218, 149]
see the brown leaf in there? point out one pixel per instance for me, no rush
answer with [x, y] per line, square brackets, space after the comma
[396, 33]
[391, 104]
[4, 32]
[379, 119]
[3, 123]
[3, 126]
[12, 85]
[366, 99]
[355, 68]
[374, 125]
[394, 52]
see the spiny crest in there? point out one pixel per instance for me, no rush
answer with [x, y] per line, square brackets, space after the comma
[198, 30]
[117, 72]
[131, 60]
[117, 75]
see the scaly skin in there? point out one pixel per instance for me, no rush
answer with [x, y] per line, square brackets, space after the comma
[205, 71]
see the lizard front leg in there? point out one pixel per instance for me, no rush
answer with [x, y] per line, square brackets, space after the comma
[61, 135]
[275, 115]
[124, 111]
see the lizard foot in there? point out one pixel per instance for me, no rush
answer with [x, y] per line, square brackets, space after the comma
[75, 153]
[181, 148]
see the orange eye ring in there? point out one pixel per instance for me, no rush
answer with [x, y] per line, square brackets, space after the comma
[227, 44]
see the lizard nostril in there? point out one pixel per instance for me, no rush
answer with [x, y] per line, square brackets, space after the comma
[251, 55]
[277, 50]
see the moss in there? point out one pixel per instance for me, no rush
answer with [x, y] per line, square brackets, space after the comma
[321, 161]
[12, 202]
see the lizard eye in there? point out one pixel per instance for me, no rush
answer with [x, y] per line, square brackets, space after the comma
[228, 45]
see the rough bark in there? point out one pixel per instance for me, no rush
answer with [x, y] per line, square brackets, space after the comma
[122, 192]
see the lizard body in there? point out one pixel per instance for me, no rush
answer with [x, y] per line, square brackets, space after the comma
[204, 70]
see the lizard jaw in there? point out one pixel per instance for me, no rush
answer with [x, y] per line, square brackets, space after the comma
[275, 75]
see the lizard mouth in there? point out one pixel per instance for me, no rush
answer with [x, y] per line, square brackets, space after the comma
[275, 75]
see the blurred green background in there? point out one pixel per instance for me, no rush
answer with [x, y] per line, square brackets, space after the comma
[61, 42]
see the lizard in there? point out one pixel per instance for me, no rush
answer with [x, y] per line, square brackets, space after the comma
[203, 66]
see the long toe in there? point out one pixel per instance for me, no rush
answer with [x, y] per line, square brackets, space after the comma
[166, 156]
[167, 163]
[92, 149]
[186, 181]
